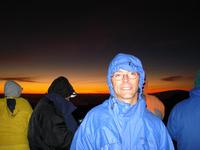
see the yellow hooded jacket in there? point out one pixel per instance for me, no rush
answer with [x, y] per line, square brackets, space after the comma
[14, 125]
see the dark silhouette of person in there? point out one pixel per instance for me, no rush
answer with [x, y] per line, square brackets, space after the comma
[52, 124]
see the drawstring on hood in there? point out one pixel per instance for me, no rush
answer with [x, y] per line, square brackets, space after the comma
[129, 63]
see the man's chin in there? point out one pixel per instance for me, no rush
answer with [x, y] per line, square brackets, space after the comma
[127, 94]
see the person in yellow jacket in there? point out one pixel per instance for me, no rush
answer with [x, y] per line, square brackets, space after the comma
[153, 103]
[15, 112]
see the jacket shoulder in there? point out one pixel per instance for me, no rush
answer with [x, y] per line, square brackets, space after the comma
[153, 121]
[44, 108]
[99, 111]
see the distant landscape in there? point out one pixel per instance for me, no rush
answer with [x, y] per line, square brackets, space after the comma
[85, 102]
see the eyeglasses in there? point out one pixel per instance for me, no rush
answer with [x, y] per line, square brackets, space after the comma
[119, 75]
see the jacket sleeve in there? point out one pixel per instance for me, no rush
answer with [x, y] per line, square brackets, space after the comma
[165, 139]
[172, 124]
[83, 139]
[28, 111]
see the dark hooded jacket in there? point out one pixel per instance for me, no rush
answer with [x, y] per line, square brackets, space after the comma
[52, 125]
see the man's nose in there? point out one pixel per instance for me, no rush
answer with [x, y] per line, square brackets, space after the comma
[125, 77]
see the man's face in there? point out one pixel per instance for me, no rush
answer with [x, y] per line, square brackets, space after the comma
[125, 85]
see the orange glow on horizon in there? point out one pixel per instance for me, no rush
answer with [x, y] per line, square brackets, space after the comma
[42, 89]
[157, 90]
[85, 87]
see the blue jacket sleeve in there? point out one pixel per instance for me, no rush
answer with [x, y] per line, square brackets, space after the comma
[166, 141]
[171, 124]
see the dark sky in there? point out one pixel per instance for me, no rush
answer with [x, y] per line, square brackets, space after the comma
[39, 41]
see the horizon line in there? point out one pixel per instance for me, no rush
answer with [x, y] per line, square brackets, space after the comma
[109, 93]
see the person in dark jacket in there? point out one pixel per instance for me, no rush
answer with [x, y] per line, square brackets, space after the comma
[52, 124]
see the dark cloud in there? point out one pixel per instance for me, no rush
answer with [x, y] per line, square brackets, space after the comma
[172, 78]
[22, 79]
[177, 78]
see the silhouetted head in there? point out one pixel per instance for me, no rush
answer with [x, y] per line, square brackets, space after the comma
[12, 89]
[62, 87]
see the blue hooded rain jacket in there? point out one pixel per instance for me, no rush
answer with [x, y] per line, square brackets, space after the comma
[115, 125]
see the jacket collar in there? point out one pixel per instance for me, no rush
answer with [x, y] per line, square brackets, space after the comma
[195, 92]
[125, 109]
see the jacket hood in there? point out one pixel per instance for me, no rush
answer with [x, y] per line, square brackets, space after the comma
[125, 62]
[12, 89]
[62, 87]
[197, 80]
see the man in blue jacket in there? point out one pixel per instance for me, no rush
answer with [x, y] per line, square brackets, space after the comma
[184, 120]
[122, 122]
